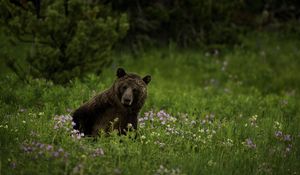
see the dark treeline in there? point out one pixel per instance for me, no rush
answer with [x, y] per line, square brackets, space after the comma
[192, 22]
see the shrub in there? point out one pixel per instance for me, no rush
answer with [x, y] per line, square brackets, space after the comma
[68, 39]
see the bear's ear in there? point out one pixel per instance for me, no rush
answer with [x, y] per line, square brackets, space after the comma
[147, 79]
[121, 72]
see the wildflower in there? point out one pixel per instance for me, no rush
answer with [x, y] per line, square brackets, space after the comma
[13, 165]
[55, 154]
[278, 134]
[148, 115]
[63, 122]
[163, 170]
[76, 134]
[160, 144]
[165, 117]
[142, 125]
[249, 143]
[213, 132]
[22, 110]
[129, 125]
[253, 120]
[287, 138]
[78, 168]
[228, 142]
[116, 119]
[39, 149]
[49, 147]
[210, 117]
[288, 148]
[98, 152]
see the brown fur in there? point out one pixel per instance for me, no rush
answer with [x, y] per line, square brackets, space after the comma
[114, 108]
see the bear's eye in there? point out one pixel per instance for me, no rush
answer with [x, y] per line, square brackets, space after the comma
[135, 90]
[124, 87]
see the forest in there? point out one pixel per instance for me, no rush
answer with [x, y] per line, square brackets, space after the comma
[223, 96]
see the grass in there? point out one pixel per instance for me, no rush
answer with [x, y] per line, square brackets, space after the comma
[232, 113]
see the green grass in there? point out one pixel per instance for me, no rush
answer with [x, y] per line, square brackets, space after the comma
[211, 115]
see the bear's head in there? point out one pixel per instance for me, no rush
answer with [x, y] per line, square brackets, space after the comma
[131, 89]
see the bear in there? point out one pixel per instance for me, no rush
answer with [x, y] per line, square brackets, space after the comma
[115, 108]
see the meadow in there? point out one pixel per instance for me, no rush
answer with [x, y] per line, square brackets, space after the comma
[234, 111]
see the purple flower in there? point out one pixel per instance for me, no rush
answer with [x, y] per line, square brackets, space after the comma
[287, 138]
[66, 155]
[76, 134]
[278, 134]
[249, 143]
[27, 148]
[55, 154]
[49, 147]
[37, 149]
[63, 122]
[13, 165]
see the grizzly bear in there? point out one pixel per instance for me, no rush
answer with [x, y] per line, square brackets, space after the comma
[115, 108]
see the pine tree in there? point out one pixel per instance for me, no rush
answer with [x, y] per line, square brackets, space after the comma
[68, 38]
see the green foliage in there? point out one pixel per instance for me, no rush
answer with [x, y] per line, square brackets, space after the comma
[187, 23]
[66, 41]
[234, 113]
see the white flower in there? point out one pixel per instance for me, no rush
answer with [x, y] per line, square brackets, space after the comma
[129, 125]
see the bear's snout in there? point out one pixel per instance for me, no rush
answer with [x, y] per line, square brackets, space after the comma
[127, 97]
